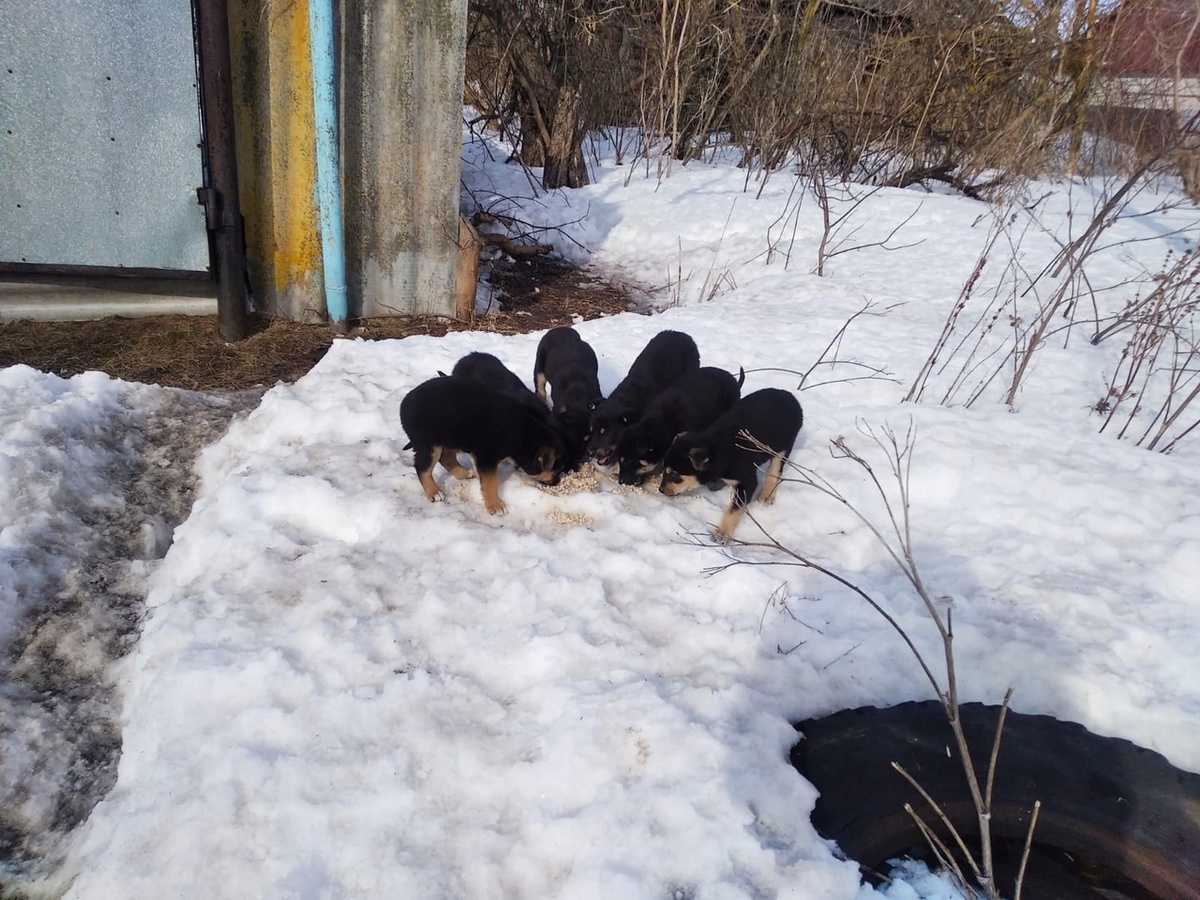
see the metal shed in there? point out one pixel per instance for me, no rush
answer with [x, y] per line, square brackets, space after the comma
[171, 147]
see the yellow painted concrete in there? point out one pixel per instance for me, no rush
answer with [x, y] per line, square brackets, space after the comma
[401, 138]
[276, 143]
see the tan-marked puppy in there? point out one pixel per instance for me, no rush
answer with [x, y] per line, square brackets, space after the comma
[667, 356]
[723, 453]
[489, 370]
[692, 402]
[565, 365]
[565, 368]
[448, 415]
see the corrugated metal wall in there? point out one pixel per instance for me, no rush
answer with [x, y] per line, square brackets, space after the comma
[99, 135]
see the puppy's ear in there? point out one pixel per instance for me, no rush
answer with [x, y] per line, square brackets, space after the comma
[699, 458]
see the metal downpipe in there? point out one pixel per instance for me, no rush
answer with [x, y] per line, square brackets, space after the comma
[328, 187]
[220, 195]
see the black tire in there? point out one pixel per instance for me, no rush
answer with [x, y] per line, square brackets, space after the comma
[1114, 815]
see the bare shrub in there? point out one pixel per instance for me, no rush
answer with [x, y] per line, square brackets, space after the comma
[893, 531]
[968, 345]
[894, 93]
[839, 224]
[715, 282]
[1158, 373]
[540, 70]
[677, 87]
[831, 358]
[995, 339]
[911, 92]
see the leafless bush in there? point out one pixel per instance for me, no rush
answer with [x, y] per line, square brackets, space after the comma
[1158, 373]
[839, 225]
[676, 86]
[924, 91]
[997, 338]
[832, 358]
[839, 205]
[715, 282]
[967, 344]
[897, 94]
[542, 71]
[893, 531]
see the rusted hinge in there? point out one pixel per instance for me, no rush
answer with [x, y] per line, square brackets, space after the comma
[210, 199]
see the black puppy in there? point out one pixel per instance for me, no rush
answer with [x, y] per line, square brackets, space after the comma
[566, 364]
[761, 426]
[693, 402]
[449, 414]
[488, 369]
[668, 356]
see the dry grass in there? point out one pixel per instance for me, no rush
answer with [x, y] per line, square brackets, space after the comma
[187, 351]
[179, 351]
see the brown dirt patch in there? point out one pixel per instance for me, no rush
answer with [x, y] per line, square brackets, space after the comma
[187, 351]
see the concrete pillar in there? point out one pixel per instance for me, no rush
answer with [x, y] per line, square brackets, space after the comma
[402, 77]
[276, 154]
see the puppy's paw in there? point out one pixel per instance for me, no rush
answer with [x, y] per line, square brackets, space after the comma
[721, 537]
[437, 496]
[768, 500]
[496, 509]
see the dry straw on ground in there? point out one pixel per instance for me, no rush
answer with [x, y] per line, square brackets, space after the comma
[187, 352]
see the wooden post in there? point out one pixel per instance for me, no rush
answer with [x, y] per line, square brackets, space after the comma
[466, 275]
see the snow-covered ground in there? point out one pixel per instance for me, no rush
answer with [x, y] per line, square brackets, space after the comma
[341, 690]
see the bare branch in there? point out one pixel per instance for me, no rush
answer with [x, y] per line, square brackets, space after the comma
[896, 538]
[1020, 883]
[933, 804]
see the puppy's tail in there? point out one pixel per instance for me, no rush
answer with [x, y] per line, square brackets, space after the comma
[407, 446]
[741, 377]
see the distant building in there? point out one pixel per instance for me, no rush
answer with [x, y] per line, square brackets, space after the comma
[1153, 38]
[1148, 97]
[1151, 54]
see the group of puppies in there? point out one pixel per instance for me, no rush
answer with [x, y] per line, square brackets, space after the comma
[668, 417]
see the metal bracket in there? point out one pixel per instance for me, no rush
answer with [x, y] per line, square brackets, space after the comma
[210, 199]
